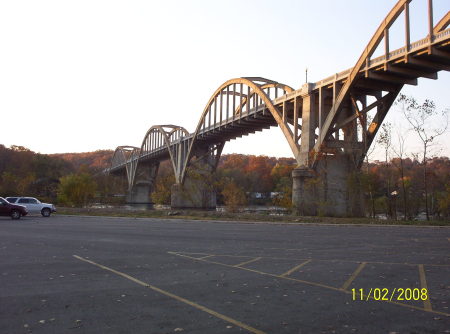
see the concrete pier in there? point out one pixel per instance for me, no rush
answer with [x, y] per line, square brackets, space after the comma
[145, 179]
[139, 194]
[332, 189]
[195, 193]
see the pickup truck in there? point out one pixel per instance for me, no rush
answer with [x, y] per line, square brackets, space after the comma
[12, 210]
[33, 205]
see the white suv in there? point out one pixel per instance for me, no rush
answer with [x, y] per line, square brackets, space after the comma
[33, 205]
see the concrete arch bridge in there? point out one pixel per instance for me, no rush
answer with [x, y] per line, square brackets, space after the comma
[325, 123]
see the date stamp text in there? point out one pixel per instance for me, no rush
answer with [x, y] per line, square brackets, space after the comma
[384, 294]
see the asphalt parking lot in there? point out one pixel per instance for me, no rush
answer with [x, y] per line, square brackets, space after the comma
[123, 275]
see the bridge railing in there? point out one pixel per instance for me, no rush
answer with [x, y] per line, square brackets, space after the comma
[380, 59]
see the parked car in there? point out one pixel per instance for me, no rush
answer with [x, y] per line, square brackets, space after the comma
[33, 205]
[13, 210]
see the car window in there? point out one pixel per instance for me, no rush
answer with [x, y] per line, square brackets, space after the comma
[24, 200]
[32, 201]
[2, 201]
[11, 199]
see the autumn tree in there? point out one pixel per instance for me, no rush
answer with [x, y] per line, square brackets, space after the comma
[258, 172]
[282, 180]
[369, 182]
[24, 172]
[399, 151]
[76, 189]
[109, 186]
[8, 184]
[421, 117]
[234, 195]
[443, 201]
[161, 194]
[385, 140]
[439, 183]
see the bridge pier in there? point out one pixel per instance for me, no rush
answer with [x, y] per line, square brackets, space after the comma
[139, 194]
[193, 194]
[197, 191]
[330, 190]
[139, 191]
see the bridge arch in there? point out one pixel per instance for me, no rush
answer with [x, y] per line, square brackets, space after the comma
[361, 70]
[160, 137]
[236, 97]
[156, 140]
[126, 156]
[442, 24]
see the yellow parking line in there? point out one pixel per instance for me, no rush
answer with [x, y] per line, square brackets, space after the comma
[247, 262]
[259, 272]
[290, 271]
[423, 285]
[205, 257]
[352, 278]
[311, 283]
[226, 255]
[171, 295]
[318, 260]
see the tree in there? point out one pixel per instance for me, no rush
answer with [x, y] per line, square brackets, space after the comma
[370, 179]
[258, 172]
[369, 182]
[162, 191]
[385, 140]
[399, 164]
[282, 179]
[76, 189]
[8, 184]
[161, 194]
[109, 186]
[444, 201]
[233, 195]
[420, 117]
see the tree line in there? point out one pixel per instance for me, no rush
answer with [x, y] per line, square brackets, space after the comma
[403, 186]
[69, 179]
[394, 188]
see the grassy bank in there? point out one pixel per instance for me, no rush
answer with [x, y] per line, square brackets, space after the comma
[238, 216]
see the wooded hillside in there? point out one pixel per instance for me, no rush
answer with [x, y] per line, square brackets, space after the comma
[97, 160]
[395, 187]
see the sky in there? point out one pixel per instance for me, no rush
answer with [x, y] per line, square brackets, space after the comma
[78, 76]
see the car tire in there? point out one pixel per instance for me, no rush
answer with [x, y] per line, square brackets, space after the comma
[15, 214]
[45, 212]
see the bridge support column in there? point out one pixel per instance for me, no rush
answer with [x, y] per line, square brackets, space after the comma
[139, 192]
[195, 193]
[333, 189]
[303, 197]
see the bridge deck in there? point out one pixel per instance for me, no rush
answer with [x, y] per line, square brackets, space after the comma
[423, 58]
